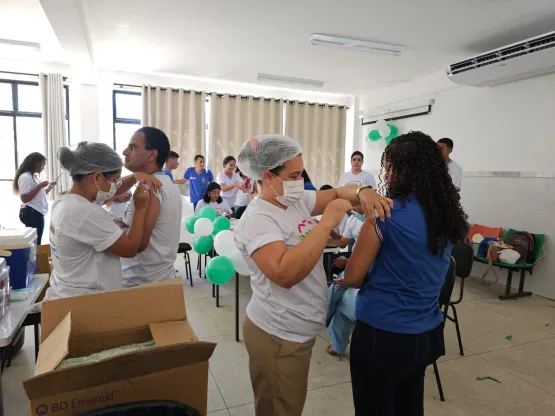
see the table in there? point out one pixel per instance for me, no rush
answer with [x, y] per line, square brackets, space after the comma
[17, 312]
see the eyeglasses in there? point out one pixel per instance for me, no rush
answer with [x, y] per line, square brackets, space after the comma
[118, 181]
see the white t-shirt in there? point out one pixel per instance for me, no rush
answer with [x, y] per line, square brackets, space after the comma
[116, 209]
[156, 262]
[456, 172]
[295, 314]
[223, 179]
[360, 179]
[80, 233]
[27, 182]
[221, 207]
[352, 228]
[341, 227]
[243, 199]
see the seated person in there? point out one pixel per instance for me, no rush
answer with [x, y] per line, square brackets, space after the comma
[212, 198]
[341, 300]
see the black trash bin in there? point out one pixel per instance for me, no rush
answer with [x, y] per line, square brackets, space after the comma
[147, 408]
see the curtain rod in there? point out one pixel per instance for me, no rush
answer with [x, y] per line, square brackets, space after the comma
[26, 74]
[278, 100]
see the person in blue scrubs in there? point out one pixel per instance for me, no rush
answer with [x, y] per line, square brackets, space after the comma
[198, 178]
[172, 163]
[400, 266]
[307, 182]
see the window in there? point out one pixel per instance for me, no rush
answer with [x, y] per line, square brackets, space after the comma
[21, 128]
[128, 110]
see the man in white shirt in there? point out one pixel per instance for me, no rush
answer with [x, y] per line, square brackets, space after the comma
[356, 175]
[147, 151]
[455, 170]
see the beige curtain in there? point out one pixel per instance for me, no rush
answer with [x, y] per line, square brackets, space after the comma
[320, 130]
[180, 114]
[233, 120]
[54, 126]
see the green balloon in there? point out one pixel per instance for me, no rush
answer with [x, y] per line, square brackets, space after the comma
[190, 224]
[208, 212]
[394, 132]
[203, 245]
[221, 224]
[374, 135]
[219, 270]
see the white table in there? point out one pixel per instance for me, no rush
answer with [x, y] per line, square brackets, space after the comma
[17, 312]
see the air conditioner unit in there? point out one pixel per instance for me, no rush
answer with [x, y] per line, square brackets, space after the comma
[531, 57]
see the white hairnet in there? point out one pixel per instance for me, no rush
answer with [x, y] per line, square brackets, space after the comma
[89, 158]
[262, 153]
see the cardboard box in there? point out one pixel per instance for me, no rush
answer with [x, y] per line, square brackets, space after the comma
[175, 369]
[43, 259]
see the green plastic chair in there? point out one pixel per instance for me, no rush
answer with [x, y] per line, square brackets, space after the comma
[539, 242]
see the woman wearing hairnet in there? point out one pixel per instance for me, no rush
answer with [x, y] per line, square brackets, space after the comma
[283, 247]
[86, 244]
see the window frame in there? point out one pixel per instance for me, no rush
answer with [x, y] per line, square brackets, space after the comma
[15, 113]
[121, 120]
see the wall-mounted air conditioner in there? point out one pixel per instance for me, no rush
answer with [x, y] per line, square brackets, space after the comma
[397, 111]
[531, 57]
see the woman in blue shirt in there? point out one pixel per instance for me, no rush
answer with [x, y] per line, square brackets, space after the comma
[307, 182]
[400, 266]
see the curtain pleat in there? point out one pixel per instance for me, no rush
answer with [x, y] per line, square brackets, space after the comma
[320, 131]
[53, 120]
[180, 114]
[234, 120]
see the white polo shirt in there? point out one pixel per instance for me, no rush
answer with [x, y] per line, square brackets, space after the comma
[295, 314]
[27, 182]
[352, 228]
[360, 179]
[156, 262]
[80, 234]
[223, 179]
[456, 173]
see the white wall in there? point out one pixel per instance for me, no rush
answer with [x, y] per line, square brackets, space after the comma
[509, 127]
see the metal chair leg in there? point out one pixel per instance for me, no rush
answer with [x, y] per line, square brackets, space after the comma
[456, 319]
[438, 380]
[37, 343]
[189, 265]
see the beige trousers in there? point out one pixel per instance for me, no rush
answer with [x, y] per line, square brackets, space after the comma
[278, 370]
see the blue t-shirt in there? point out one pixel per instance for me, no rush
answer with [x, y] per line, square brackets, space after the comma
[309, 187]
[401, 290]
[198, 182]
[167, 172]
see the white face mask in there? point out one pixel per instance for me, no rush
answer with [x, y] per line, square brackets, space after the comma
[292, 192]
[102, 197]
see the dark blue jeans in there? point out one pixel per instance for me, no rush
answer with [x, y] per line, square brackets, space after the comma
[34, 219]
[387, 369]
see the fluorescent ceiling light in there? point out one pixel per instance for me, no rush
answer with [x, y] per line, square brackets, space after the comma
[355, 44]
[19, 44]
[289, 80]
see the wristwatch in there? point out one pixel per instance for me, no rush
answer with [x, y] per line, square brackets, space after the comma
[360, 188]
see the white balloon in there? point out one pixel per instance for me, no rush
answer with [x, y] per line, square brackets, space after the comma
[384, 131]
[203, 226]
[224, 243]
[380, 124]
[184, 221]
[240, 264]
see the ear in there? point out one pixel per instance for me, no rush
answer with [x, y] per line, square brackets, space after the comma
[153, 156]
[267, 175]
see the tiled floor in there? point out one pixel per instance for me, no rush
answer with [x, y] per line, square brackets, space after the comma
[524, 365]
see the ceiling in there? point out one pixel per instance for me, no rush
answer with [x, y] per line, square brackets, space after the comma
[235, 39]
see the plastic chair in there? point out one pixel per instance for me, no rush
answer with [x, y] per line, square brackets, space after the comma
[147, 408]
[464, 259]
[539, 243]
[484, 231]
[184, 249]
[444, 299]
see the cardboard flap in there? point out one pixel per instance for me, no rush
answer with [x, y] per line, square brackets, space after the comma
[170, 333]
[54, 348]
[123, 367]
[117, 311]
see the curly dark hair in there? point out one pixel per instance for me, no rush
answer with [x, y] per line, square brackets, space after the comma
[29, 164]
[412, 164]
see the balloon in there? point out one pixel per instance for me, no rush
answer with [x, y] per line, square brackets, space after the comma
[374, 135]
[239, 263]
[184, 221]
[393, 133]
[203, 245]
[380, 124]
[219, 270]
[384, 130]
[208, 212]
[224, 243]
[221, 224]
[203, 227]
[190, 224]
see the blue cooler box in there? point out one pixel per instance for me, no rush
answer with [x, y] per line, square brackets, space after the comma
[22, 244]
